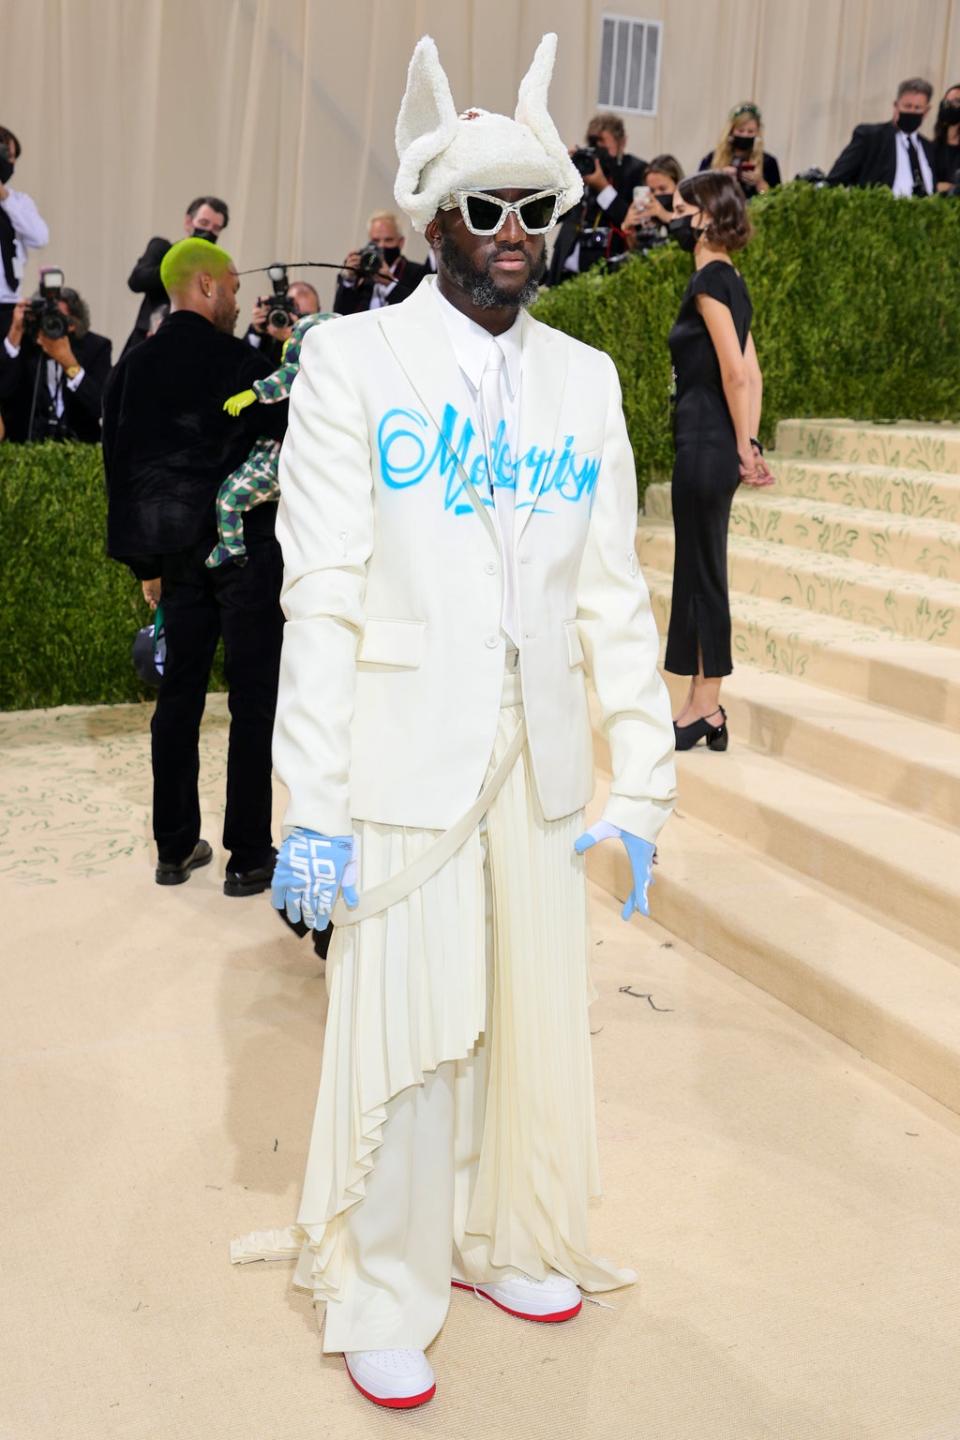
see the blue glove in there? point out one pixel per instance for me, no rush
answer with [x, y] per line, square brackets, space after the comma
[309, 872]
[641, 854]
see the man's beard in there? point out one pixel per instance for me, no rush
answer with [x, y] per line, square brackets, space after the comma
[225, 314]
[485, 293]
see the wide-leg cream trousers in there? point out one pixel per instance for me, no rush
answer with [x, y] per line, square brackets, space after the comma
[454, 1130]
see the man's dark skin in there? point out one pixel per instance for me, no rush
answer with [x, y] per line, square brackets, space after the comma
[511, 259]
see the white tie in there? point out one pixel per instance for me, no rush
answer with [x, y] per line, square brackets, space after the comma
[493, 411]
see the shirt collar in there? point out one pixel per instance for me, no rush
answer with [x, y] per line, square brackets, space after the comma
[471, 344]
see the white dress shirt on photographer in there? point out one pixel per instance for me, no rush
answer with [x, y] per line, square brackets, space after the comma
[55, 378]
[29, 232]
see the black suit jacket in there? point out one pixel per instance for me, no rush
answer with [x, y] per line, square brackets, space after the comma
[623, 175]
[144, 280]
[168, 444]
[81, 407]
[871, 157]
[352, 299]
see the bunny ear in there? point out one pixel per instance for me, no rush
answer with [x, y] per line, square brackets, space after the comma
[532, 97]
[427, 112]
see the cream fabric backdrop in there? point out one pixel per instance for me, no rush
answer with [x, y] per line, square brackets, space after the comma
[129, 108]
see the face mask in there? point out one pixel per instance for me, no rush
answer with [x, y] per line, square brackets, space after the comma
[204, 235]
[908, 123]
[950, 114]
[743, 143]
[391, 253]
[6, 168]
[666, 199]
[682, 230]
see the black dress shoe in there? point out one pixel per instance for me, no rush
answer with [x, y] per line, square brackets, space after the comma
[716, 736]
[174, 872]
[250, 882]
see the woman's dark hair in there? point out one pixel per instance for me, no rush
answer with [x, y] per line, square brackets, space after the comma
[719, 196]
[6, 136]
[941, 127]
[665, 165]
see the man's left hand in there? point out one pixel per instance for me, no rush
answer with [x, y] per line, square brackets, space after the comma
[59, 350]
[640, 853]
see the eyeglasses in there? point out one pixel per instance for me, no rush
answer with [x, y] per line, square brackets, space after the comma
[485, 214]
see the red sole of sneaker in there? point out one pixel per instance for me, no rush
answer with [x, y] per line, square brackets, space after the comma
[409, 1403]
[554, 1319]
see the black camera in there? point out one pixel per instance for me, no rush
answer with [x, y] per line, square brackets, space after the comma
[282, 313]
[589, 156]
[43, 315]
[370, 260]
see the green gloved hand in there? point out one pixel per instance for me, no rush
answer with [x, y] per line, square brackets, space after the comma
[239, 402]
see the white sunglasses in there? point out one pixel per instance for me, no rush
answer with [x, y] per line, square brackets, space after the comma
[485, 214]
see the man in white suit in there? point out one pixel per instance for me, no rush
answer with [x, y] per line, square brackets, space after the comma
[457, 521]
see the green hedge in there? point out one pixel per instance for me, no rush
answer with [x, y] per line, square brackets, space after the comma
[856, 301]
[857, 313]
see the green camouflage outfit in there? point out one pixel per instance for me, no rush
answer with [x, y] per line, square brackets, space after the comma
[255, 480]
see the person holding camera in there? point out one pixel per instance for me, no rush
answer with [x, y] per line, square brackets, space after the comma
[652, 207]
[378, 274]
[21, 229]
[591, 233]
[740, 152]
[265, 332]
[206, 218]
[892, 153]
[53, 367]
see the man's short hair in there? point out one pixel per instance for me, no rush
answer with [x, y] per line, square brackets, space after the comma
[189, 258]
[79, 311]
[916, 86]
[305, 285]
[388, 217]
[606, 120]
[6, 136]
[219, 205]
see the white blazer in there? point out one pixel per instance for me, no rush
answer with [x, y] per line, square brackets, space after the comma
[393, 654]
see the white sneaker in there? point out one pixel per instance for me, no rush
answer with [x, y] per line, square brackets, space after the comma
[399, 1379]
[550, 1300]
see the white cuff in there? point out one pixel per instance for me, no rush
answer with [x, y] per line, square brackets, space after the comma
[606, 197]
[75, 383]
[12, 350]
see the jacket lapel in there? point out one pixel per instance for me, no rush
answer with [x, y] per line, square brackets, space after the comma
[415, 333]
[541, 407]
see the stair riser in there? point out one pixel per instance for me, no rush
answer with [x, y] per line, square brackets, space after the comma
[897, 780]
[920, 449]
[683, 909]
[893, 493]
[907, 612]
[877, 539]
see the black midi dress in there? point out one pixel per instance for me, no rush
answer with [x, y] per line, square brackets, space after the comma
[705, 478]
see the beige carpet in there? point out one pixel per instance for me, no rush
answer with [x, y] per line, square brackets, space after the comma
[792, 1210]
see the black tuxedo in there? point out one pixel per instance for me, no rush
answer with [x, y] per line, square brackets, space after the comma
[19, 381]
[167, 447]
[144, 280]
[871, 157]
[352, 299]
[579, 223]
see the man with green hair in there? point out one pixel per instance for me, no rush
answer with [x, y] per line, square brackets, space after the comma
[168, 446]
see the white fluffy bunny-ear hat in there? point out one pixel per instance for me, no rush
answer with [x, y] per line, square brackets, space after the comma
[441, 152]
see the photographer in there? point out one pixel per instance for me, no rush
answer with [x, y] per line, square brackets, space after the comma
[591, 232]
[741, 154]
[21, 229]
[649, 215]
[265, 334]
[892, 153]
[387, 276]
[53, 368]
[206, 218]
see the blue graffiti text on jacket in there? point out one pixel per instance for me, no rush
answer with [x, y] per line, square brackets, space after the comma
[408, 457]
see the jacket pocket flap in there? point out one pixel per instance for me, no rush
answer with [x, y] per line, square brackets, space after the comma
[574, 648]
[392, 642]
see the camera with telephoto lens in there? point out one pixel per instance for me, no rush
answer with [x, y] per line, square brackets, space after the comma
[43, 315]
[370, 261]
[282, 314]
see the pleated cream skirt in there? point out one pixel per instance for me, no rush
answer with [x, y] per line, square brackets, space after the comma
[408, 990]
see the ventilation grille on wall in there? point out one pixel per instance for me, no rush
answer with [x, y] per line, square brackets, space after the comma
[630, 64]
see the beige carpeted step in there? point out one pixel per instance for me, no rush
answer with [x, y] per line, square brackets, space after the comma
[900, 542]
[888, 600]
[889, 997]
[904, 675]
[903, 868]
[893, 491]
[912, 445]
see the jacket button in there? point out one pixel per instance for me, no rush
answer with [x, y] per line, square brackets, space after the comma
[491, 642]
[490, 568]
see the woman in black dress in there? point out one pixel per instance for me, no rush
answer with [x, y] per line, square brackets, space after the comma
[718, 395]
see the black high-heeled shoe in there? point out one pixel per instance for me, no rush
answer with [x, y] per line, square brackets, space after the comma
[716, 736]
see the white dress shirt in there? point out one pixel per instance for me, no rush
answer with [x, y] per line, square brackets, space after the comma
[492, 370]
[903, 179]
[56, 379]
[29, 230]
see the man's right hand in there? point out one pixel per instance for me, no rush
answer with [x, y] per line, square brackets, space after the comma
[350, 267]
[310, 871]
[15, 333]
